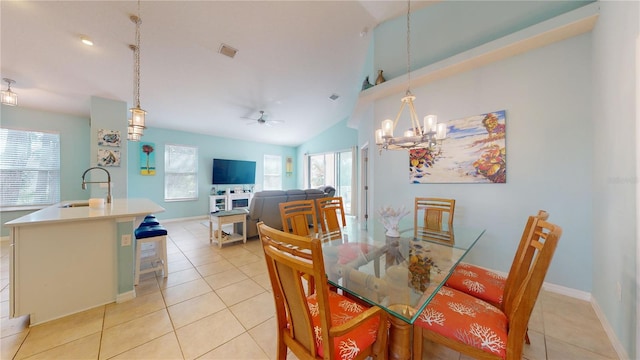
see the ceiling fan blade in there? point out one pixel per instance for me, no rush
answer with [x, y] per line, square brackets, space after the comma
[275, 121]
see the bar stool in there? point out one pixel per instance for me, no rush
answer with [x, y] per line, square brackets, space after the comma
[151, 234]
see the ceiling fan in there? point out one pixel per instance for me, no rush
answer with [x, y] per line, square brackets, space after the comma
[262, 121]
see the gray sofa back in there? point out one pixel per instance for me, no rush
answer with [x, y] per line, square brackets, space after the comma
[265, 206]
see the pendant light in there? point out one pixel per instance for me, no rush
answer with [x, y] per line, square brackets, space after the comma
[9, 97]
[136, 124]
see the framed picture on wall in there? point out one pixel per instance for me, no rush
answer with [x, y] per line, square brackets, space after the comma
[147, 158]
[108, 157]
[109, 137]
[474, 151]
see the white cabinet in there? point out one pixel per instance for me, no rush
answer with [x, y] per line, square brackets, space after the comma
[229, 201]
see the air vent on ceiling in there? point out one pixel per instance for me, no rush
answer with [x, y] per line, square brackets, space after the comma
[334, 96]
[227, 50]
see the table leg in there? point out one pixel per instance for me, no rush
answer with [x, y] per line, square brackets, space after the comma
[210, 230]
[399, 339]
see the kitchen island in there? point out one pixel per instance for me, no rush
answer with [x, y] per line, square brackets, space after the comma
[69, 257]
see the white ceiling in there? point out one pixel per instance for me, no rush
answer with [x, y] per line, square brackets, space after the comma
[292, 56]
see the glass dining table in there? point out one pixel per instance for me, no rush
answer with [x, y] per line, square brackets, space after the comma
[399, 274]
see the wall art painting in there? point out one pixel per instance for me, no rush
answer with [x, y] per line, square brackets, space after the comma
[109, 137]
[108, 157]
[474, 151]
[147, 158]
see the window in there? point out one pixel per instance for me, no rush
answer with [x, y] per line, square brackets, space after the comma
[180, 173]
[29, 168]
[272, 172]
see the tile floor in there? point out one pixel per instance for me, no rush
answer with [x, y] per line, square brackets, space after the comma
[216, 304]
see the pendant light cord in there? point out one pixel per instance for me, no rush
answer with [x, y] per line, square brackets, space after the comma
[136, 60]
[408, 47]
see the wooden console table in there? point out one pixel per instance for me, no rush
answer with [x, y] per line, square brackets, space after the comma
[227, 217]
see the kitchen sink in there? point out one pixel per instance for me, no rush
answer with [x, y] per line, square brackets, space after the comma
[71, 205]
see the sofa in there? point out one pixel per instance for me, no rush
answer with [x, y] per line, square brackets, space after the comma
[265, 206]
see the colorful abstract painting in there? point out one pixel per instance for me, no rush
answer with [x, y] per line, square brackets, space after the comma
[473, 152]
[109, 137]
[147, 158]
[108, 157]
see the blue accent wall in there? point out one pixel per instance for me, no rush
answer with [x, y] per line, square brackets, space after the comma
[209, 147]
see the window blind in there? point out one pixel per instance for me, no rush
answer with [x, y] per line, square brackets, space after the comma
[29, 168]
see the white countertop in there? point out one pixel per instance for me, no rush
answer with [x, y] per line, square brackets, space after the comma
[58, 213]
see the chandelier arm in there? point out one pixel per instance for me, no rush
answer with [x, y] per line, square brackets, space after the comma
[414, 120]
[395, 123]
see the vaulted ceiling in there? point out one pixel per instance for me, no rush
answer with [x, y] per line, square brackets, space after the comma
[292, 56]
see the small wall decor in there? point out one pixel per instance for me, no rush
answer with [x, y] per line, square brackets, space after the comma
[147, 158]
[108, 157]
[366, 84]
[289, 165]
[473, 152]
[380, 79]
[109, 137]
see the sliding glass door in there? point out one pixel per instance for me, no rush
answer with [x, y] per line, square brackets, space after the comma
[335, 169]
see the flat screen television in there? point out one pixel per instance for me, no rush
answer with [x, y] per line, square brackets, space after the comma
[228, 172]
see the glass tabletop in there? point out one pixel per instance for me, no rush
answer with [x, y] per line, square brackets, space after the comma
[400, 274]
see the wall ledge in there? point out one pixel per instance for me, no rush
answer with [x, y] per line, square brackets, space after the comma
[567, 25]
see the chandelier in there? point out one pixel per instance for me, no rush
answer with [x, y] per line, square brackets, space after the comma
[136, 123]
[418, 136]
[9, 97]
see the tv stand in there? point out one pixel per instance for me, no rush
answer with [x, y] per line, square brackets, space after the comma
[230, 201]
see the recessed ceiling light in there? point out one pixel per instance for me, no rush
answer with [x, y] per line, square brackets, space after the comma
[86, 40]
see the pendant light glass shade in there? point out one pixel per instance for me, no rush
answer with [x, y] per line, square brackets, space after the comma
[9, 97]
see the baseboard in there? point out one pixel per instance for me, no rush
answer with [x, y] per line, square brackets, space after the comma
[562, 290]
[185, 218]
[622, 353]
[129, 295]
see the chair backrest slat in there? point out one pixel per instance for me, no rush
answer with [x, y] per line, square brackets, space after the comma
[539, 248]
[521, 258]
[331, 214]
[430, 214]
[288, 256]
[296, 215]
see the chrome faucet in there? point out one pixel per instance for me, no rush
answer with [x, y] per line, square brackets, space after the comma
[108, 182]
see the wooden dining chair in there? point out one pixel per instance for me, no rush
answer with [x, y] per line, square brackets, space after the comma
[478, 329]
[430, 214]
[488, 285]
[325, 325]
[297, 216]
[332, 217]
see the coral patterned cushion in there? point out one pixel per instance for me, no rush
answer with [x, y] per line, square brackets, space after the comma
[350, 251]
[476, 281]
[462, 317]
[342, 310]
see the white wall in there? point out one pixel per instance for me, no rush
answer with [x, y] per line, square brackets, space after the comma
[615, 183]
[547, 96]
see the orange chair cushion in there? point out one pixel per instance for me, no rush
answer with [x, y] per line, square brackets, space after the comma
[467, 319]
[350, 251]
[476, 281]
[342, 310]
